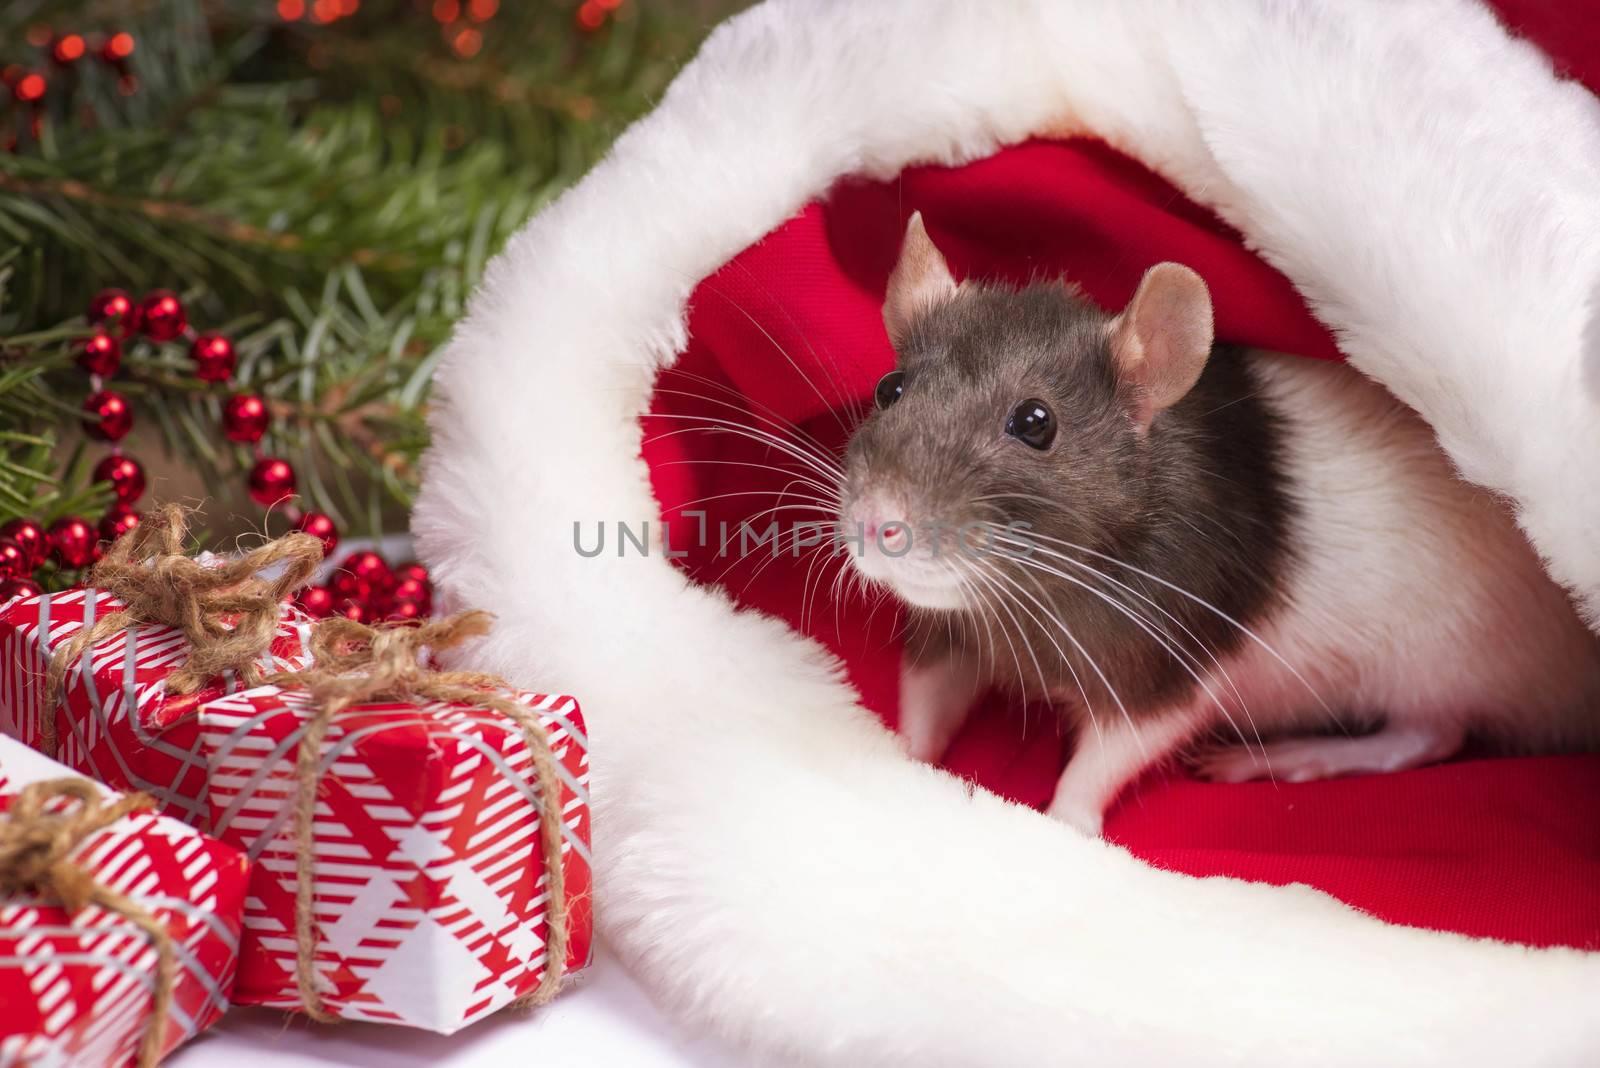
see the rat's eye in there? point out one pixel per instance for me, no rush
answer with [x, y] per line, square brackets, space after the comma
[889, 387]
[1031, 423]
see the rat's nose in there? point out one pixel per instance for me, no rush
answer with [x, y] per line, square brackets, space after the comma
[883, 521]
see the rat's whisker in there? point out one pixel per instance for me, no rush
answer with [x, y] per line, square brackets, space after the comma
[1182, 657]
[799, 437]
[827, 468]
[1208, 606]
[1203, 646]
[739, 399]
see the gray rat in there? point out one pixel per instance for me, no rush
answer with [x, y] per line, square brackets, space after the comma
[1170, 539]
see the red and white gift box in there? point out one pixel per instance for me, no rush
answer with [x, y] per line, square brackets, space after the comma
[431, 894]
[430, 886]
[77, 989]
[115, 721]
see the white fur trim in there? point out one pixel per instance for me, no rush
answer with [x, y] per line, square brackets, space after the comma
[767, 860]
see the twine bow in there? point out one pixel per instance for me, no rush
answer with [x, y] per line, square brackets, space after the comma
[356, 663]
[228, 612]
[37, 841]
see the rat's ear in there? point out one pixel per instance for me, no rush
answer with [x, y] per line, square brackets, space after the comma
[1162, 339]
[921, 279]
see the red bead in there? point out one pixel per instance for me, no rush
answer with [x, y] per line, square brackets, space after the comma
[101, 354]
[369, 569]
[18, 588]
[271, 481]
[14, 561]
[213, 357]
[118, 47]
[124, 474]
[161, 315]
[73, 541]
[117, 522]
[245, 418]
[411, 591]
[32, 537]
[411, 569]
[320, 526]
[68, 49]
[111, 416]
[317, 601]
[405, 611]
[29, 88]
[354, 610]
[114, 310]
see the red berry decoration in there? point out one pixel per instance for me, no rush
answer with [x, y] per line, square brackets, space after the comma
[101, 354]
[245, 418]
[18, 588]
[31, 537]
[411, 569]
[405, 611]
[213, 358]
[316, 601]
[117, 522]
[73, 541]
[321, 527]
[271, 481]
[369, 569]
[124, 474]
[114, 310]
[355, 610]
[13, 560]
[111, 415]
[161, 315]
[411, 591]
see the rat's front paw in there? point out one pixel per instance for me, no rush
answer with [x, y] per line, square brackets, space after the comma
[1075, 813]
[934, 700]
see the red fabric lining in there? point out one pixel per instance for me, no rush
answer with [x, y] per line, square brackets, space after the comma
[1506, 848]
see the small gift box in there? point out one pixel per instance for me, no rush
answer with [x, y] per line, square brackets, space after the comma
[448, 860]
[106, 680]
[119, 928]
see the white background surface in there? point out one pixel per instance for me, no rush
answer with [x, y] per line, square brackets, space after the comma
[603, 1021]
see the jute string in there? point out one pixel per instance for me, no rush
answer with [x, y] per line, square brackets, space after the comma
[356, 663]
[37, 840]
[228, 612]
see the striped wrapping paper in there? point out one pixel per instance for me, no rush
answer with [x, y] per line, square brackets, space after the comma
[76, 990]
[431, 892]
[115, 721]
[430, 889]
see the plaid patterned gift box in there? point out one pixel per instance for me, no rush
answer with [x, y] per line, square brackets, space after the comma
[86, 986]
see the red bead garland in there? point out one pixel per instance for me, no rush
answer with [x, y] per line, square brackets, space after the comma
[101, 354]
[111, 416]
[245, 418]
[73, 541]
[271, 480]
[124, 474]
[213, 357]
[161, 315]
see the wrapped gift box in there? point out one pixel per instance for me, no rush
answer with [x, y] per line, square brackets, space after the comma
[430, 884]
[115, 721]
[431, 894]
[77, 989]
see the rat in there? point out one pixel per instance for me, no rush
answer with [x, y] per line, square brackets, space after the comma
[1187, 546]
